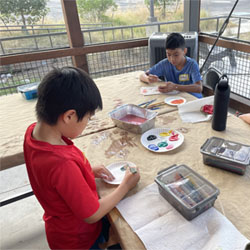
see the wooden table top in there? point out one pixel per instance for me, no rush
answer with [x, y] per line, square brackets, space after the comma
[116, 144]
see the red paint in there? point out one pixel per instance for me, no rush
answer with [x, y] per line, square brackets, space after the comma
[133, 119]
[208, 109]
[174, 137]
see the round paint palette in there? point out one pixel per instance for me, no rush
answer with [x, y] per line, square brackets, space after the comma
[161, 139]
[175, 100]
[118, 171]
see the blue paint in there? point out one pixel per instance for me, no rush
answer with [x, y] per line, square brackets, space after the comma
[153, 147]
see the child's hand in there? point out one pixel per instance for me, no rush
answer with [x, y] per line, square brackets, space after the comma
[101, 172]
[152, 78]
[169, 86]
[131, 178]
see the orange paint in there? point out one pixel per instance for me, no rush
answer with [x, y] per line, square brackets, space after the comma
[177, 101]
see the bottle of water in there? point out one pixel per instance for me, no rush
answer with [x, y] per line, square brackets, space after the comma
[221, 102]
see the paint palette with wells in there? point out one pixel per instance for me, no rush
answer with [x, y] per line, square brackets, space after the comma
[162, 139]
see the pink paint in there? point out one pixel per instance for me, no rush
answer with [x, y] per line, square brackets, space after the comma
[133, 119]
[170, 146]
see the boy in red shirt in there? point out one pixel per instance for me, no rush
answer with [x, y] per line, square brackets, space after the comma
[60, 175]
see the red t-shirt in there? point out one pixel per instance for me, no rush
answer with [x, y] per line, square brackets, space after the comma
[64, 184]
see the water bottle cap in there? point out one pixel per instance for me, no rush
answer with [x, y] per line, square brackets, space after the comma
[223, 83]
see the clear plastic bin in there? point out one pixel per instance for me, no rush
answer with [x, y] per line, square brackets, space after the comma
[28, 91]
[147, 118]
[186, 190]
[228, 155]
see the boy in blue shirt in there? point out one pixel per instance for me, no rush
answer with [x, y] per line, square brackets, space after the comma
[179, 71]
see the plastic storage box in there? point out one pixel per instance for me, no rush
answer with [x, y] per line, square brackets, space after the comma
[28, 91]
[228, 155]
[138, 119]
[186, 190]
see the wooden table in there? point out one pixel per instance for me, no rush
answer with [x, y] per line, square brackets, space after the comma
[116, 144]
[104, 144]
[16, 113]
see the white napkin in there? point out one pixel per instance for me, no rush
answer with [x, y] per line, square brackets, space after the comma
[190, 111]
[160, 226]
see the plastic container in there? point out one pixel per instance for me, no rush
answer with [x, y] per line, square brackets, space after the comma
[28, 91]
[221, 102]
[146, 116]
[186, 191]
[228, 155]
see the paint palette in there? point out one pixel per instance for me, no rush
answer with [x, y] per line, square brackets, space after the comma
[162, 139]
[118, 170]
[175, 100]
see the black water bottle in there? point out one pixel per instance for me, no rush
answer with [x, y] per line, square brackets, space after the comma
[221, 102]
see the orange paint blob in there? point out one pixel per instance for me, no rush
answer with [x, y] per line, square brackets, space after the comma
[177, 101]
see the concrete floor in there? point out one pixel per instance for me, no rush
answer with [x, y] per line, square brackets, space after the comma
[21, 224]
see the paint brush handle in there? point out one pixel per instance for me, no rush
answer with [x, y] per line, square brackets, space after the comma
[146, 103]
[155, 104]
[133, 170]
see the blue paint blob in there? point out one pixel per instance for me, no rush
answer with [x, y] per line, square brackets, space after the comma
[153, 147]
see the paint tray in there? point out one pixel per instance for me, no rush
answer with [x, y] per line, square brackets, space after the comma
[186, 191]
[224, 154]
[131, 109]
[28, 91]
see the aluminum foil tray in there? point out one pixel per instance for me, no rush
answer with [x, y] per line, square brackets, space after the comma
[131, 109]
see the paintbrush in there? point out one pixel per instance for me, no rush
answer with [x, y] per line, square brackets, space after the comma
[132, 169]
[155, 105]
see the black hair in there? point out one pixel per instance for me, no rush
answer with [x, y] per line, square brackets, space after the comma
[64, 89]
[175, 41]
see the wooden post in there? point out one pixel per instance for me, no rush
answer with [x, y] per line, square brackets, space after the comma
[74, 32]
[191, 15]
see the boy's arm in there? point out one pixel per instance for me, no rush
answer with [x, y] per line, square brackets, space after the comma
[156, 71]
[170, 86]
[148, 78]
[108, 202]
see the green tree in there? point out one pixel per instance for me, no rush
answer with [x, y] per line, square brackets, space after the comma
[95, 9]
[22, 11]
[163, 5]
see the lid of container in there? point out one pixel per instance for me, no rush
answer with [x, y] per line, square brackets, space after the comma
[186, 186]
[28, 87]
[228, 150]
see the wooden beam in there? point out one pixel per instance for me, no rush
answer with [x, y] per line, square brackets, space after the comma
[239, 46]
[74, 32]
[191, 15]
[49, 54]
